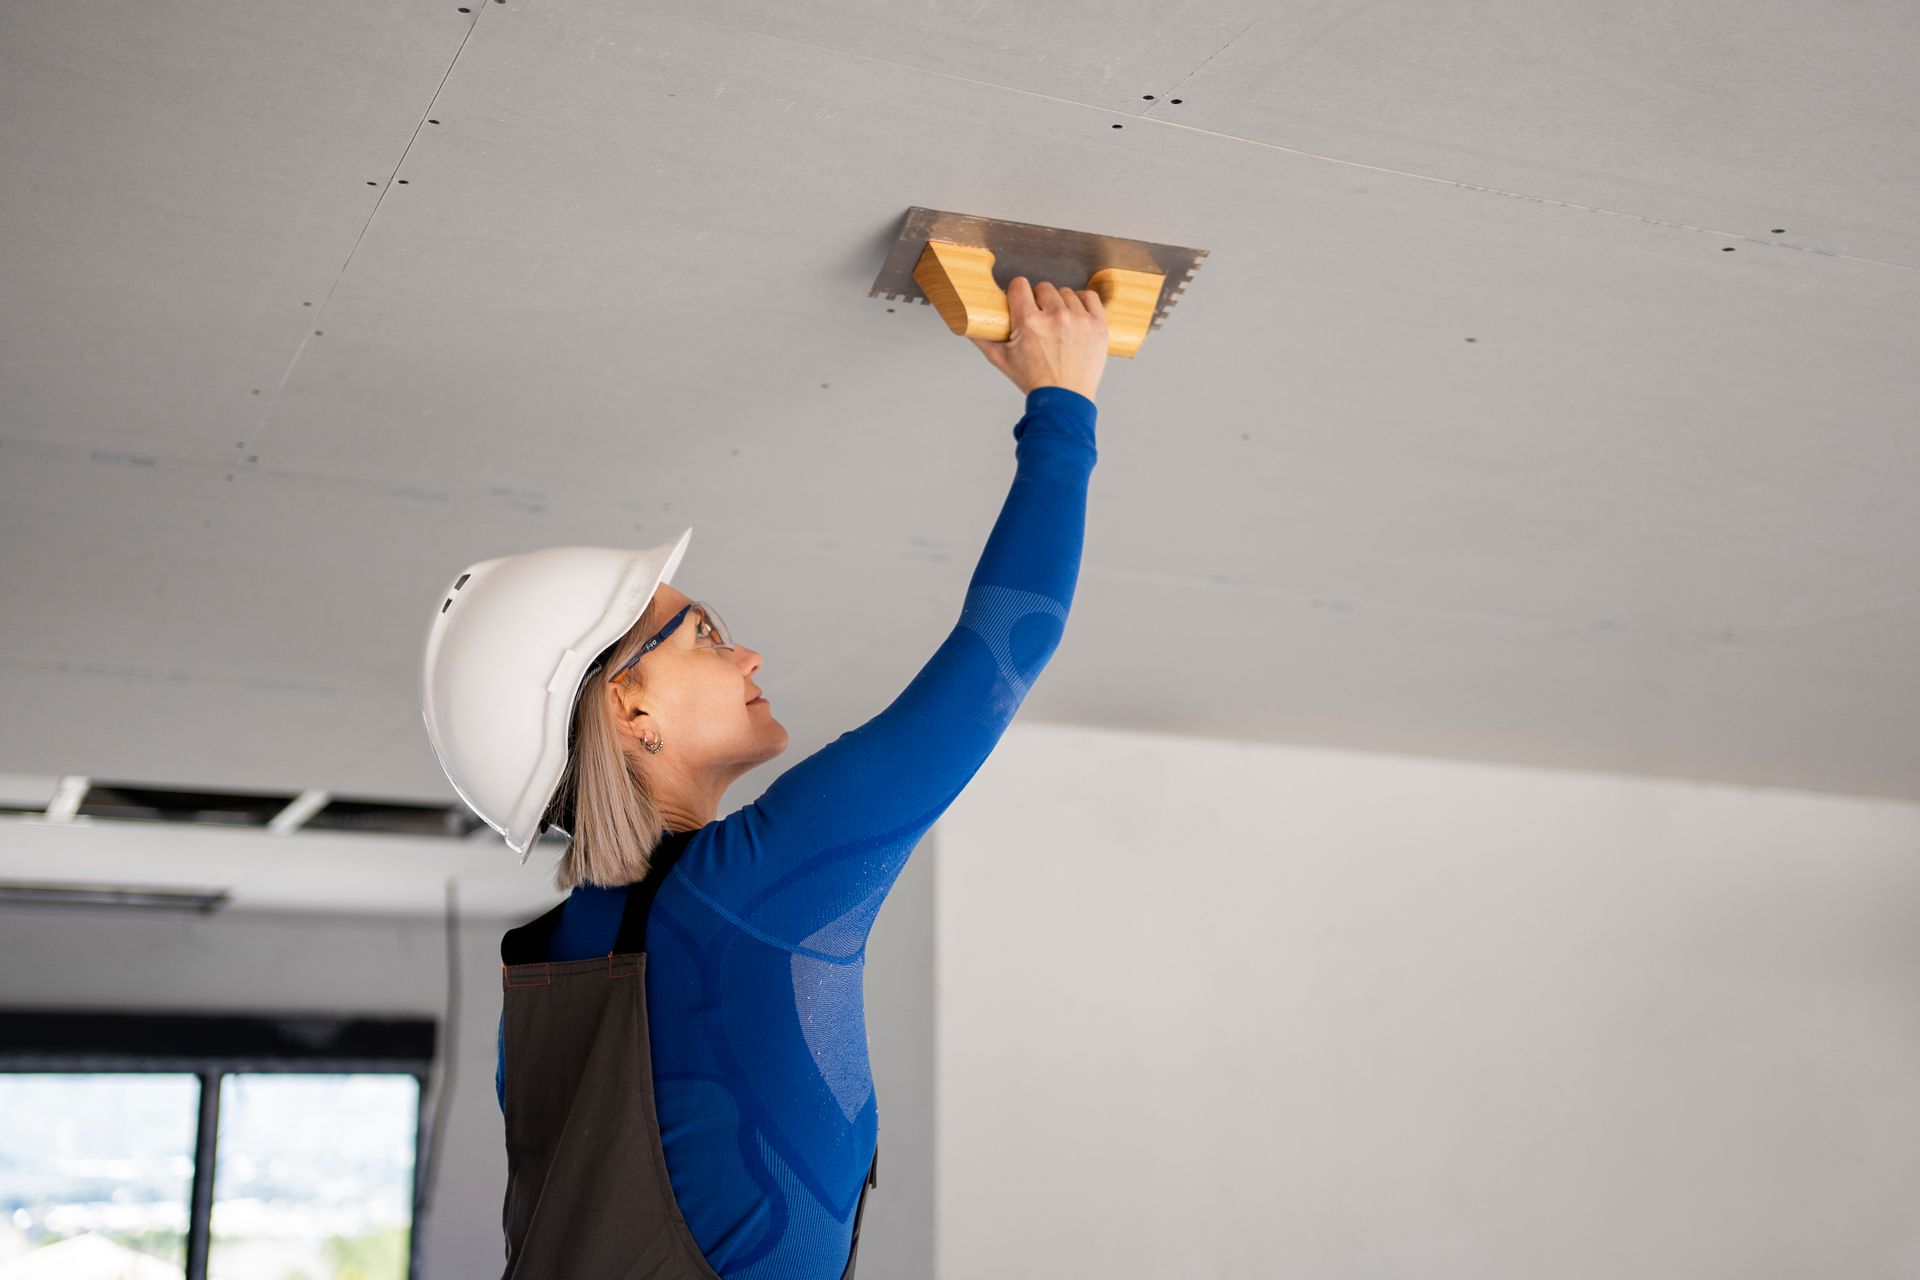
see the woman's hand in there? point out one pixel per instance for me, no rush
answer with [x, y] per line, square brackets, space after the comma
[1056, 338]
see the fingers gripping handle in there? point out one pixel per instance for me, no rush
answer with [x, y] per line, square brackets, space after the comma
[958, 281]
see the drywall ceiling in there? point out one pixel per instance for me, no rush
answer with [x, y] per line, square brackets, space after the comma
[1547, 395]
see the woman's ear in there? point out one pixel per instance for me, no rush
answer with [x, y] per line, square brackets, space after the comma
[624, 704]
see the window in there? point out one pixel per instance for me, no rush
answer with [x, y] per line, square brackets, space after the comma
[278, 1148]
[103, 1156]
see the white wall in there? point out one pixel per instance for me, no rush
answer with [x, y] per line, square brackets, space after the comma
[273, 961]
[1234, 1010]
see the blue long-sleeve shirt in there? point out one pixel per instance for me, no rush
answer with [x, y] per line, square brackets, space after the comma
[756, 941]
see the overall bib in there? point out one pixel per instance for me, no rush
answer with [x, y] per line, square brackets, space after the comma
[588, 1196]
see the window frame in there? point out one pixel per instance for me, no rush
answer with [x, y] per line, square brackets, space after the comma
[213, 1046]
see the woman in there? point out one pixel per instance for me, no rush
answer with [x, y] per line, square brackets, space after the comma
[683, 1052]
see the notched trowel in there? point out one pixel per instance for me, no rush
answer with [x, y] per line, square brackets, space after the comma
[962, 264]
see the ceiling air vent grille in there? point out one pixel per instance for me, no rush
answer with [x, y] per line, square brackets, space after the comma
[277, 811]
[389, 817]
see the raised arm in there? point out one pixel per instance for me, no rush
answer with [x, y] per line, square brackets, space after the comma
[826, 841]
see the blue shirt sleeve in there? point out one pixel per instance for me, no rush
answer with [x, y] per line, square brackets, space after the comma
[809, 863]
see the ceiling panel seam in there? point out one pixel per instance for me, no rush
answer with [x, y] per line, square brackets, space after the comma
[251, 447]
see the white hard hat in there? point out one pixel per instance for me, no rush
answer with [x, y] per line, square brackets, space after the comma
[509, 648]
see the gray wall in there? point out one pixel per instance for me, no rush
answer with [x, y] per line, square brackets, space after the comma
[276, 961]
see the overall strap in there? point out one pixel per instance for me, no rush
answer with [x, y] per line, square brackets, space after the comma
[529, 943]
[859, 1211]
[632, 936]
[532, 942]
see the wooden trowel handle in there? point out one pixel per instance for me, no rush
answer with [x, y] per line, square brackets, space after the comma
[958, 281]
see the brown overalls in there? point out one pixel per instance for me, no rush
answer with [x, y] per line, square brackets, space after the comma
[588, 1196]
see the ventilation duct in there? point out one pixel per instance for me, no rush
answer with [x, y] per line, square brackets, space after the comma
[278, 811]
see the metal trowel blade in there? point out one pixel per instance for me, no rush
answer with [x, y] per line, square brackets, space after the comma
[1065, 258]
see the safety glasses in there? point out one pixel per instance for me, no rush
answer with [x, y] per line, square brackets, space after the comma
[709, 633]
